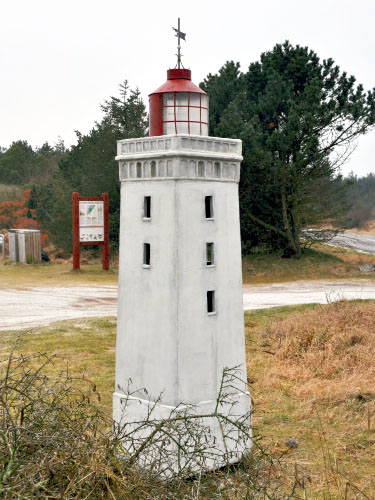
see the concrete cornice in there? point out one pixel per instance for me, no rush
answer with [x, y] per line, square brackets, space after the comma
[193, 146]
[206, 155]
[180, 157]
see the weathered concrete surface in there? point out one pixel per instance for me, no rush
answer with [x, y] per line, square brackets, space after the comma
[171, 338]
[30, 307]
[358, 242]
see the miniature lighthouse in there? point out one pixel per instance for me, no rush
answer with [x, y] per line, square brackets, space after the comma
[180, 310]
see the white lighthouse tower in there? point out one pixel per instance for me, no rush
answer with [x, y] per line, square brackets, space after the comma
[180, 310]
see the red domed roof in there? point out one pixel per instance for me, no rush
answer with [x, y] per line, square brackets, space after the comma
[178, 106]
[178, 80]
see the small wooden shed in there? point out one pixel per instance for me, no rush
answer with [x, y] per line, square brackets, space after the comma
[25, 245]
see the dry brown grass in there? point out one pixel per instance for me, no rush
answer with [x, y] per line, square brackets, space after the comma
[367, 228]
[312, 374]
[327, 352]
[54, 274]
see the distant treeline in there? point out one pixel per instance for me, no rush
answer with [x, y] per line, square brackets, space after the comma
[20, 164]
[298, 118]
[360, 196]
[54, 172]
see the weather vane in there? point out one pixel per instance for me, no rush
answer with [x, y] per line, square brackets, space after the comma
[180, 36]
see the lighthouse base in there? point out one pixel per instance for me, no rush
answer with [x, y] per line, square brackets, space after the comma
[185, 439]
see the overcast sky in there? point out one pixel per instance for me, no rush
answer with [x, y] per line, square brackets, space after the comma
[60, 59]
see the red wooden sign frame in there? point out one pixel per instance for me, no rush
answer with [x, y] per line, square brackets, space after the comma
[76, 198]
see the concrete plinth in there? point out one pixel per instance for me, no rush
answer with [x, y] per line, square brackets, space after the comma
[221, 432]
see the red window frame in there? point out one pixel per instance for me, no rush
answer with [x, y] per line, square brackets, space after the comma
[188, 106]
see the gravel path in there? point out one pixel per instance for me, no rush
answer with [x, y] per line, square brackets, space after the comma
[306, 292]
[359, 242]
[29, 307]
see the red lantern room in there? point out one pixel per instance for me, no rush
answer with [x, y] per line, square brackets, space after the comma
[178, 106]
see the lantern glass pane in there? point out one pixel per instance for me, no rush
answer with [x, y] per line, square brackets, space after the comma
[182, 113]
[204, 101]
[168, 114]
[195, 128]
[204, 129]
[181, 99]
[204, 115]
[182, 128]
[195, 99]
[168, 99]
[169, 128]
[195, 114]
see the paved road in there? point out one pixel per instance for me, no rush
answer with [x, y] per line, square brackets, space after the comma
[359, 242]
[29, 307]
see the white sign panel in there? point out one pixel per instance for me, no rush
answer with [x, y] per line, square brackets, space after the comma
[91, 221]
[91, 234]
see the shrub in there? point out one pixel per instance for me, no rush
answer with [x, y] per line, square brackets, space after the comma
[55, 442]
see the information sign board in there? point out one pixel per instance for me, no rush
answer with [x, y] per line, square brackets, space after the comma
[90, 225]
[91, 221]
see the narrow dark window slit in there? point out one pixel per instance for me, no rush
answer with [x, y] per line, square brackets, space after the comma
[147, 207]
[209, 207]
[211, 301]
[210, 259]
[146, 254]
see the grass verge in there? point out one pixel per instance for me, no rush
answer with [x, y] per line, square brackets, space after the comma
[320, 262]
[51, 274]
[312, 379]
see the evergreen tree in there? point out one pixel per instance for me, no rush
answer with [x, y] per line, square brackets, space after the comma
[360, 196]
[90, 167]
[17, 163]
[21, 165]
[298, 118]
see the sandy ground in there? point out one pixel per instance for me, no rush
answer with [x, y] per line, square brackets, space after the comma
[29, 307]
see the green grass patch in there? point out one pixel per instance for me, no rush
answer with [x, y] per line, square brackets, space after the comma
[51, 274]
[82, 346]
[320, 262]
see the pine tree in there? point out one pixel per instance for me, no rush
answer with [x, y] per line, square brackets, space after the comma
[90, 167]
[298, 118]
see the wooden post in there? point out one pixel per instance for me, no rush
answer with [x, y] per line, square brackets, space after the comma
[76, 243]
[105, 246]
[2, 243]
